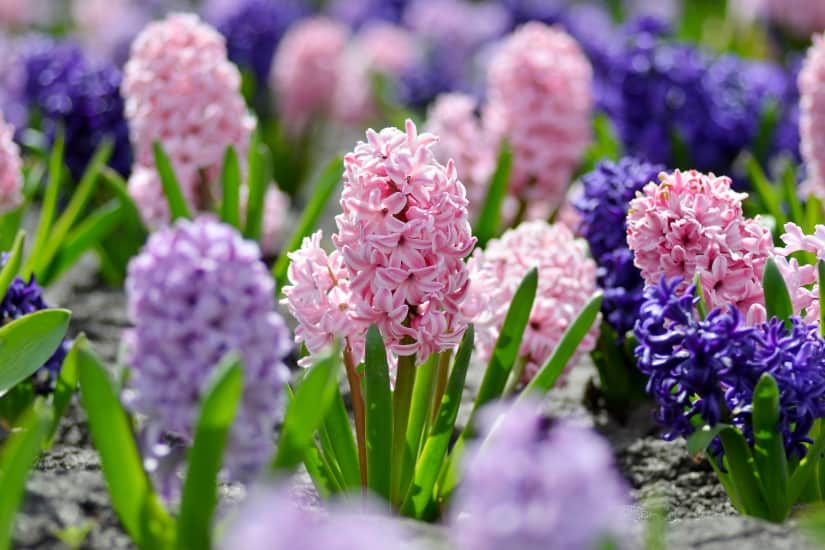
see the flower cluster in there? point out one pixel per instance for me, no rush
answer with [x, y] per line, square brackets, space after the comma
[567, 280]
[183, 92]
[801, 279]
[540, 100]
[533, 484]
[607, 191]
[11, 175]
[803, 17]
[83, 98]
[273, 519]
[196, 292]
[692, 223]
[812, 116]
[708, 368]
[106, 27]
[402, 237]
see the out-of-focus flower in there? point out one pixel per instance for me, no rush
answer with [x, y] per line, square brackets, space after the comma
[533, 484]
[11, 175]
[275, 217]
[106, 27]
[540, 98]
[307, 70]
[524, 11]
[608, 190]
[253, 29]
[83, 97]
[693, 223]
[183, 92]
[710, 367]
[24, 13]
[803, 17]
[356, 13]
[567, 280]
[13, 80]
[273, 519]
[454, 120]
[196, 292]
[812, 116]
[403, 234]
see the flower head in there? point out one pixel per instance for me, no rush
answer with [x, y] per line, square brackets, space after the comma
[196, 292]
[567, 280]
[536, 485]
[693, 223]
[11, 175]
[182, 91]
[803, 17]
[812, 116]
[403, 234]
[273, 519]
[540, 99]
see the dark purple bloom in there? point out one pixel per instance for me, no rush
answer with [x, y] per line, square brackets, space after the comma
[419, 85]
[603, 206]
[69, 91]
[546, 11]
[358, 12]
[253, 29]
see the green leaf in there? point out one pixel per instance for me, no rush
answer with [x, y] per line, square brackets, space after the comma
[790, 188]
[324, 188]
[777, 298]
[231, 182]
[489, 219]
[12, 265]
[96, 227]
[306, 411]
[337, 427]
[770, 196]
[700, 439]
[318, 471]
[508, 343]
[742, 468]
[28, 342]
[66, 384]
[74, 209]
[17, 457]
[116, 183]
[420, 409]
[200, 491]
[807, 466]
[379, 419]
[420, 495]
[260, 171]
[699, 291]
[813, 213]
[768, 448]
[49, 205]
[546, 377]
[171, 187]
[133, 498]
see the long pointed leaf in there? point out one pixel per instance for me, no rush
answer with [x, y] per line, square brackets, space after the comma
[260, 170]
[66, 384]
[28, 342]
[768, 447]
[741, 466]
[777, 299]
[12, 265]
[171, 186]
[231, 182]
[49, 205]
[489, 219]
[379, 418]
[342, 443]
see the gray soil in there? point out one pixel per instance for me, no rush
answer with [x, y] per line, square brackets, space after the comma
[66, 494]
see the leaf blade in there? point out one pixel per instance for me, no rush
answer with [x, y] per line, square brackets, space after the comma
[28, 342]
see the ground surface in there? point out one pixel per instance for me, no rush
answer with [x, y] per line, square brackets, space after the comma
[66, 493]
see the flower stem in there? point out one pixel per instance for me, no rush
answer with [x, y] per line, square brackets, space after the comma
[357, 395]
[402, 397]
[444, 359]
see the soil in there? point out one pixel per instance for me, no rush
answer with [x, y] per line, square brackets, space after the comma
[66, 494]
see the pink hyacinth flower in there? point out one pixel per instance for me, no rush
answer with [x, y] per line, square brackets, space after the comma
[812, 116]
[541, 100]
[803, 17]
[11, 176]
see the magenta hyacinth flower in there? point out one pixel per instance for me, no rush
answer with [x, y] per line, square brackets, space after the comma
[812, 116]
[540, 99]
[533, 485]
[692, 223]
[11, 176]
[567, 280]
[196, 292]
[182, 91]
[403, 235]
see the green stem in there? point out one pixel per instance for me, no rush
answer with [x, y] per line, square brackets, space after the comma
[515, 376]
[444, 359]
[358, 412]
[418, 423]
[402, 397]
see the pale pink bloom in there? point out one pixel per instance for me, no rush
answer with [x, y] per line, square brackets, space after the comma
[318, 296]
[801, 16]
[812, 116]
[540, 98]
[307, 70]
[459, 25]
[275, 218]
[182, 91]
[403, 235]
[452, 117]
[11, 175]
[21, 13]
[106, 25]
[567, 280]
[693, 223]
[801, 279]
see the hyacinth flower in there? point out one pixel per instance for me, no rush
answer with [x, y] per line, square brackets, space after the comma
[576, 499]
[393, 291]
[205, 381]
[751, 394]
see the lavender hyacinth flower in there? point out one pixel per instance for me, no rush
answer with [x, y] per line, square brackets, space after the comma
[273, 519]
[534, 485]
[708, 368]
[84, 98]
[196, 292]
[607, 191]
